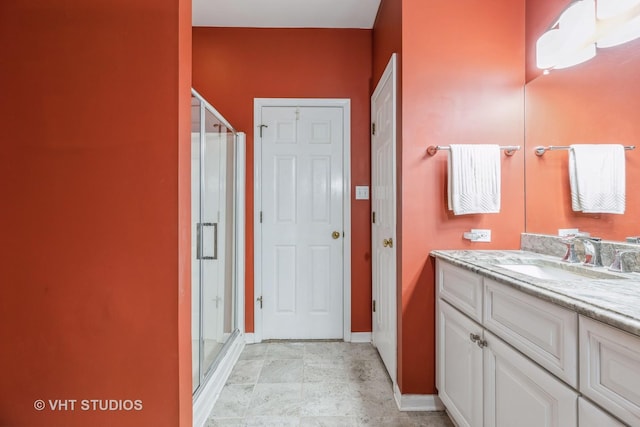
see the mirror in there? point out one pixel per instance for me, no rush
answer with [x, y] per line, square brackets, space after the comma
[595, 102]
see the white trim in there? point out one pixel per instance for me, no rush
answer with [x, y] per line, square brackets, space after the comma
[241, 195]
[360, 337]
[249, 339]
[345, 104]
[206, 399]
[417, 402]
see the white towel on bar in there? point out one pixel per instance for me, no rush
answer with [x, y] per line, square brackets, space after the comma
[474, 178]
[597, 178]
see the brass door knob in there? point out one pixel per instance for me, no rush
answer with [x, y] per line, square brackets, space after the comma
[335, 234]
[387, 243]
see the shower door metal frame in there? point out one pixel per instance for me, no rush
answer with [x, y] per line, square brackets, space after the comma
[203, 375]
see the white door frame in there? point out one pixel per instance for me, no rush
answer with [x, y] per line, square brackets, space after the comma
[345, 104]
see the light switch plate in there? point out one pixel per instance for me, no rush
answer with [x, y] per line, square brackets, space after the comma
[362, 192]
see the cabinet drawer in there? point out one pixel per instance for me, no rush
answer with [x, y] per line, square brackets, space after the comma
[461, 288]
[610, 369]
[589, 415]
[543, 331]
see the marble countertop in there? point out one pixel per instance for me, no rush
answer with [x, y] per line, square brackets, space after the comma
[612, 301]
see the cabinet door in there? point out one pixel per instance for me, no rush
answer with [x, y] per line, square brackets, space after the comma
[517, 392]
[610, 369]
[589, 415]
[459, 362]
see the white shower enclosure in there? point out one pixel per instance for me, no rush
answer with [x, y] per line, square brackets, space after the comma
[217, 212]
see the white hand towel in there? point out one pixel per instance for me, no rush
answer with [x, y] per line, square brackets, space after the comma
[597, 178]
[474, 178]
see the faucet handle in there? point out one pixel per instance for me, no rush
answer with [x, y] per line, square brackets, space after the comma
[571, 255]
[618, 263]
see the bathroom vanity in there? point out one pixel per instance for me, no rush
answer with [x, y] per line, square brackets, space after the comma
[525, 339]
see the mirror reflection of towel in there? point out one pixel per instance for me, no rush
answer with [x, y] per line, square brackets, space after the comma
[597, 178]
[474, 179]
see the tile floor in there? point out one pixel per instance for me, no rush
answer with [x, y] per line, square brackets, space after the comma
[313, 384]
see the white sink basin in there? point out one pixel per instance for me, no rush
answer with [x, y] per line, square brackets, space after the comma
[548, 271]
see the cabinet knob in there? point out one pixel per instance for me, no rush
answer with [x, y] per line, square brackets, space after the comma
[474, 337]
[481, 343]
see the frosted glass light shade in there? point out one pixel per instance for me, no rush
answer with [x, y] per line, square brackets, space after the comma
[625, 33]
[547, 49]
[578, 24]
[611, 8]
[576, 57]
[621, 18]
[571, 41]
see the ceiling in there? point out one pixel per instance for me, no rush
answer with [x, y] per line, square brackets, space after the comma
[285, 13]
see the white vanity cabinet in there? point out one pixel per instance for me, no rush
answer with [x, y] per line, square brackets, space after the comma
[481, 378]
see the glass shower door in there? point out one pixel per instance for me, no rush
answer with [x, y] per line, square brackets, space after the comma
[213, 235]
[212, 241]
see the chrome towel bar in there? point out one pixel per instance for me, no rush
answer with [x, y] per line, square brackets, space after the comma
[540, 150]
[509, 150]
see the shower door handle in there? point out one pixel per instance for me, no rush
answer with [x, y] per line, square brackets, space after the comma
[199, 246]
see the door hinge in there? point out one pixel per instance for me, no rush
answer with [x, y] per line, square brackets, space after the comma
[259, 299]
[373, 217]
[261, 127]
[373, 128]
[374, 306]
[260, 217]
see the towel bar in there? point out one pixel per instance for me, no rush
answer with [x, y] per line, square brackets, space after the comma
[540, 150]
[509, 150]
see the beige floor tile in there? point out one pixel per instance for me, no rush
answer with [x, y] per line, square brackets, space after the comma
[313, 384]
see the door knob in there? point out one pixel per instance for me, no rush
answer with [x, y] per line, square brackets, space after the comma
[387, 243]
[335, 234]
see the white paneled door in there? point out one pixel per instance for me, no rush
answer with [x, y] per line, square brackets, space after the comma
[302, 224]
[383, 228]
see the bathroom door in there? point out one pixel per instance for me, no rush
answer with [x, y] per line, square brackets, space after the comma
[383, 227]
[302, 226]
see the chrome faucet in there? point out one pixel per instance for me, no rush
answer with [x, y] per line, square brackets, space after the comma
[618, 263]
[571, 255]
[592, 251]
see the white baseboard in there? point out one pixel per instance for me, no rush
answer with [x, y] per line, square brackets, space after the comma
[360, 337]
[203, 404]
[249, 338]
[417, 402]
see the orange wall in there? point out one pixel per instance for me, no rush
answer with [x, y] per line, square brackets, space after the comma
[594, 102]
[94, 294]
[387, 38]
[232, 66]
[463, 77]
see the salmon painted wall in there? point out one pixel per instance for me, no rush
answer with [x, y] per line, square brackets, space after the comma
[232, 66]
[463, 78]
[594, 102]
[94, 295]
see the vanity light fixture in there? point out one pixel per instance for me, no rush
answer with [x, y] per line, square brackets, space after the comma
[571, 40]
[585, 24]
[618, 21]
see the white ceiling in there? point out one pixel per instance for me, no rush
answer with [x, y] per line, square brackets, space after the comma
[285, 13]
